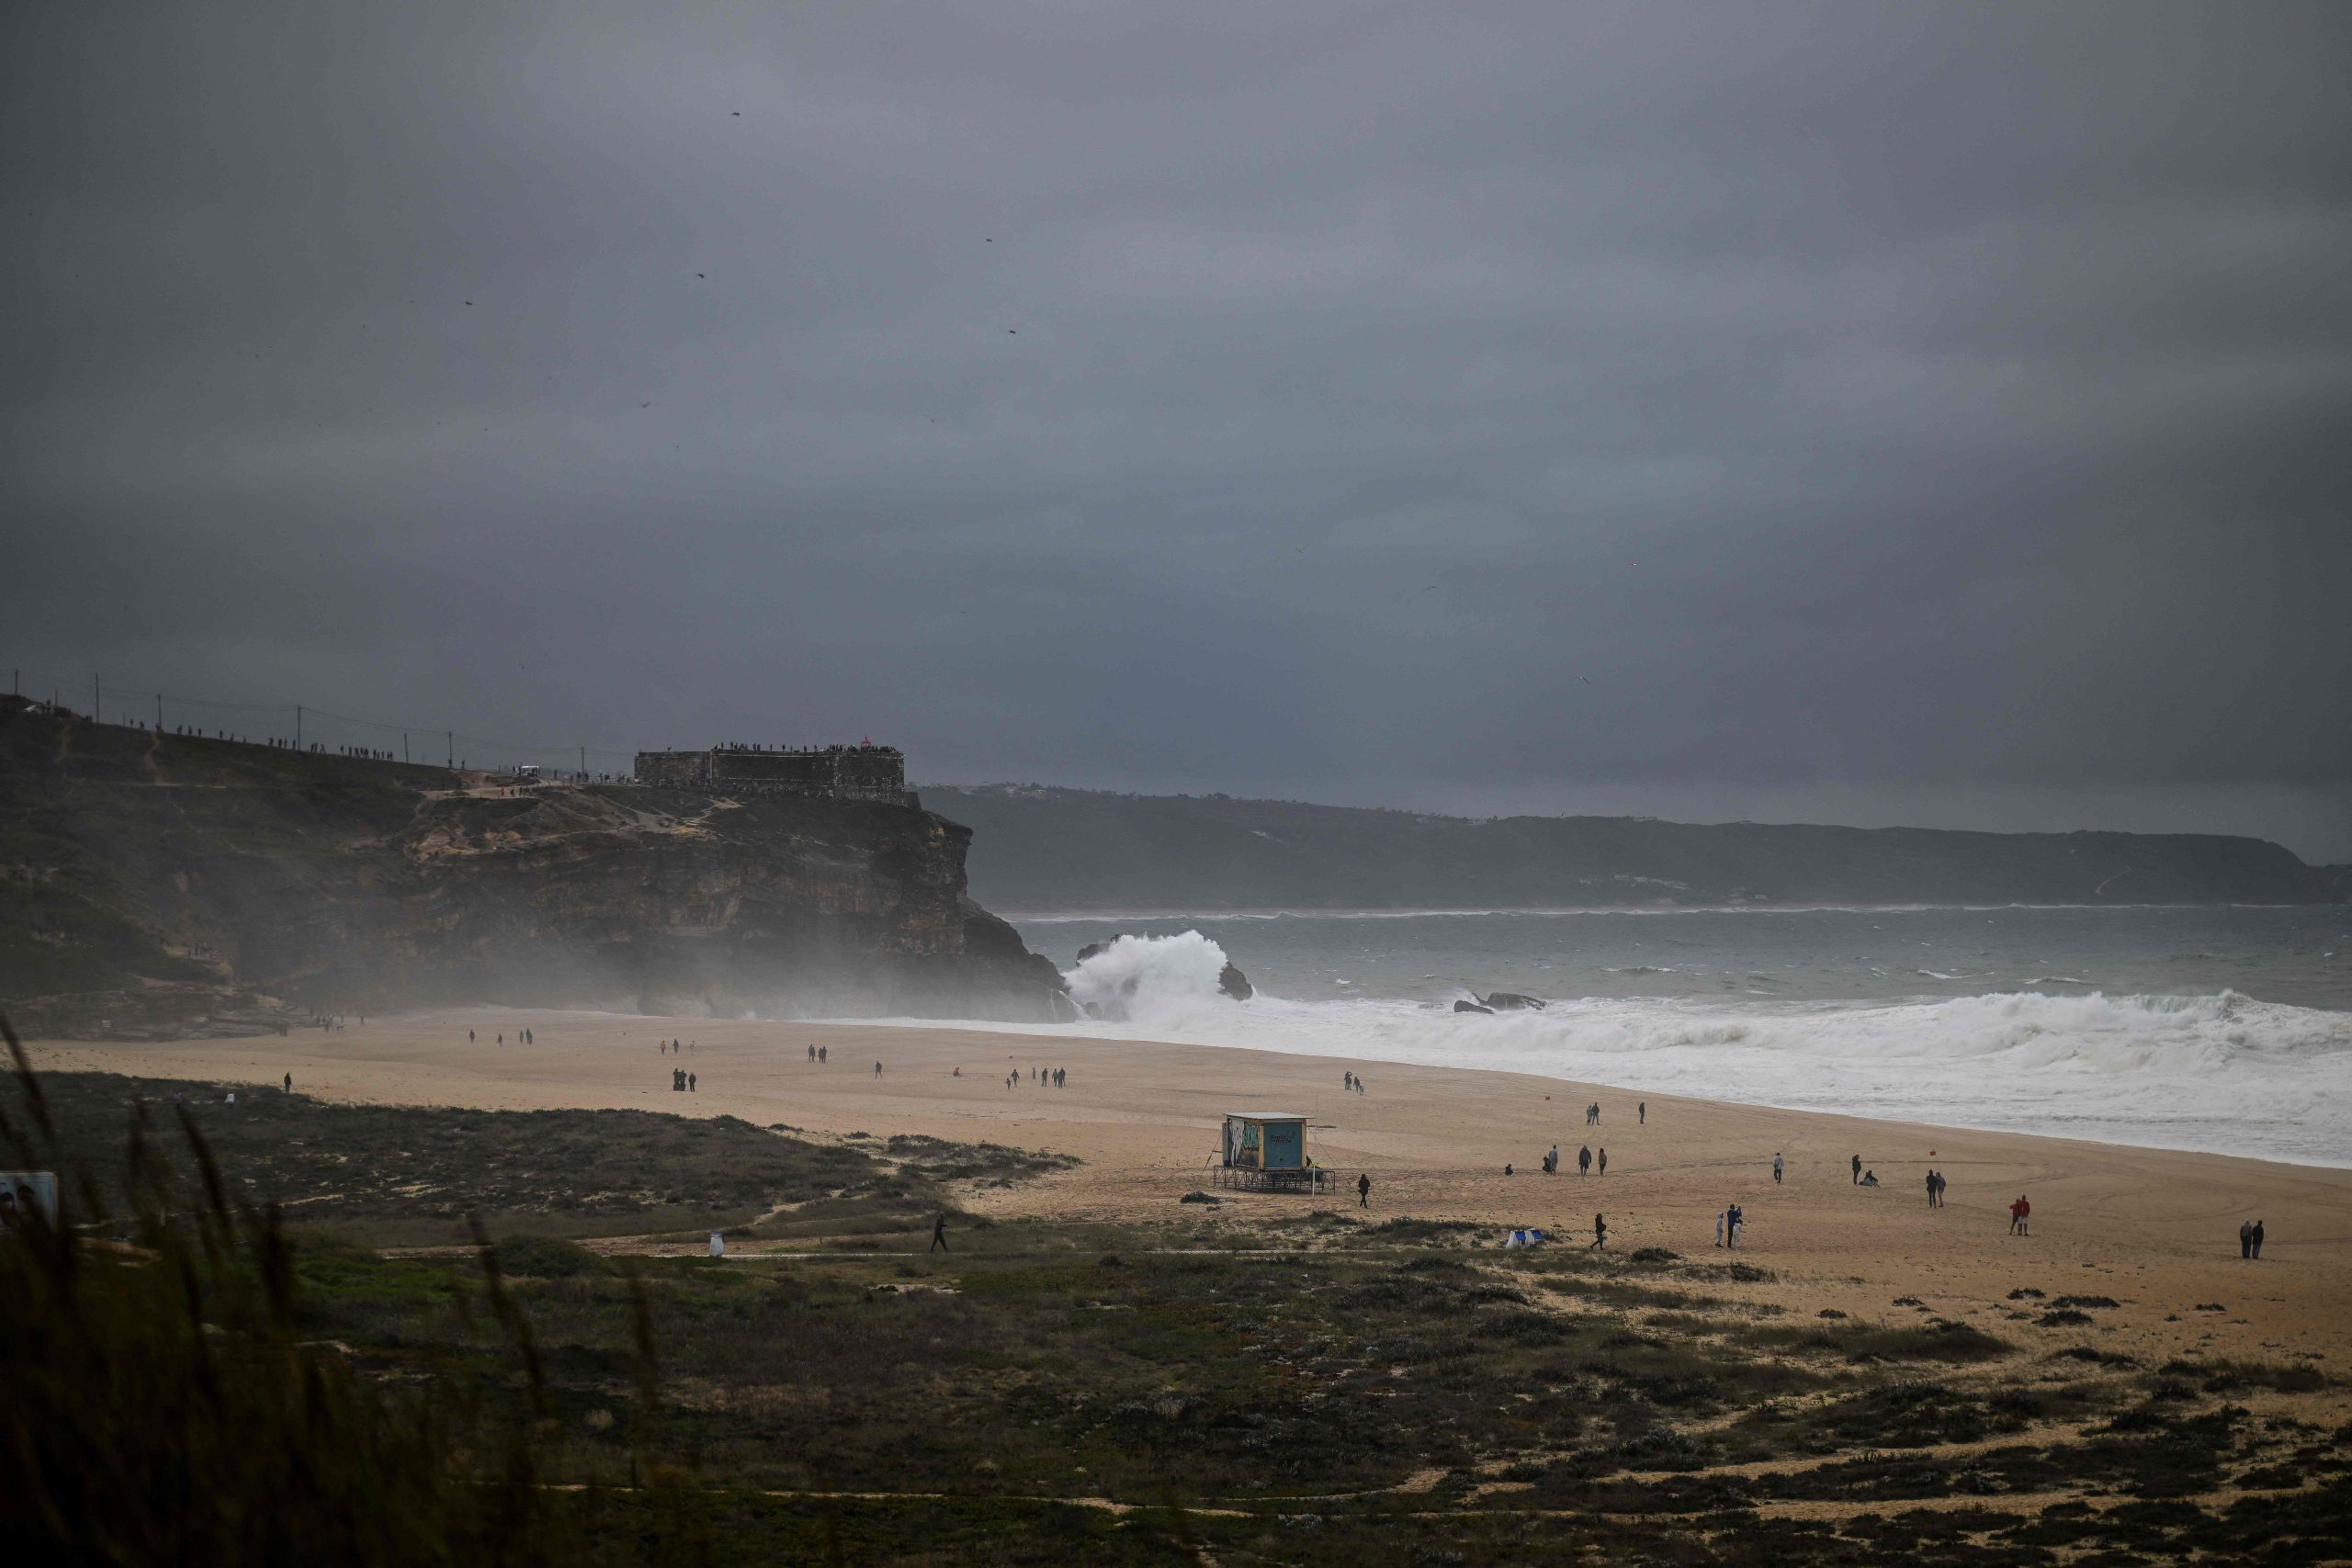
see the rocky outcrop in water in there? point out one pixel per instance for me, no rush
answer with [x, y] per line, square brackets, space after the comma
[1509, 1001]
[168, 879]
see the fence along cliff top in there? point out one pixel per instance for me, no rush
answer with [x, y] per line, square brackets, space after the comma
[865, 772]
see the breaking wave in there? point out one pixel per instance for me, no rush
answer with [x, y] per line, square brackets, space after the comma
[1139, 978]
[2219, 1073]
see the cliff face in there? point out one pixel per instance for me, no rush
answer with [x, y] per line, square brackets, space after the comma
[177, 880]
[1060, 849]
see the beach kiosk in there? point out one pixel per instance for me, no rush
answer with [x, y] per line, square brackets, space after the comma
[1266, 1150]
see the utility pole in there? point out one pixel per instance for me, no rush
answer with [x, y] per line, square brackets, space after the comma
[98, 699]
[159, 712]
[298, 727]
[453, 750]
[403, 745]
[584, 764]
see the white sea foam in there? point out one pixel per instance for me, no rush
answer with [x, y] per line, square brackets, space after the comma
[2222, 1073]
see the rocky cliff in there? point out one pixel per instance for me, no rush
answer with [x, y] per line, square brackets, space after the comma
[150, 885]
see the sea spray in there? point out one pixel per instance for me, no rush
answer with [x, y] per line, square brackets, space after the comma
[1164, 980]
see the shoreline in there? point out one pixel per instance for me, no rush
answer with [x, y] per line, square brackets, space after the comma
[1063, 1038]
[1042, 1032]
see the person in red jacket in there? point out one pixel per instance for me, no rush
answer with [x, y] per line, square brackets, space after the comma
[2018, 1212]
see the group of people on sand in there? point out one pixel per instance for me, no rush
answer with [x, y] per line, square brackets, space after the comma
[817, 1053]
[1352, 1082]
[673, 1047]
[1585, 1161]
[682, 1080]
[1042, 1078]
[1731, 1218]
[522, 1036]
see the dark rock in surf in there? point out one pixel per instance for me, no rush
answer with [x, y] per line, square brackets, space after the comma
[1230, 979]
[1510, 1001]
[1472, 1007]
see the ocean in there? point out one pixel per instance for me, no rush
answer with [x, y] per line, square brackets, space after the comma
[2227, 1029]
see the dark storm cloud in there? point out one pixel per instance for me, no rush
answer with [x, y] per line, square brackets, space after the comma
[1869, 412]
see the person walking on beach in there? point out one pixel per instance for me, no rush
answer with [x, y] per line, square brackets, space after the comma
[1552, 1160]
[877, 1070]
[1858, 1170]
[1603, 1161]
[812, 1053]
[1363, 1190]
[938, 1233]
[2257, 1241]
[690, 1083]
[1719, 1227]
[1584, 1159]
[1644, 1108]
[1600, 1231]
[1731, 1218]
[2020, 1212]
[1776, 1167]
[469, 1036]
[289, 1083]
[2245, 1238]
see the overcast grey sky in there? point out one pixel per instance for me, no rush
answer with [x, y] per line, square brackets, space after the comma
[1865, 414]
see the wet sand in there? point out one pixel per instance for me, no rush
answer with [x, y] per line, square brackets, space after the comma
[2154, 1230]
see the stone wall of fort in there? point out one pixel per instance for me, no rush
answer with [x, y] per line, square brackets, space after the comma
[836, 772]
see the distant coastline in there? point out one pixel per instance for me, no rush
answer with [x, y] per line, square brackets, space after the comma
[1056, 851]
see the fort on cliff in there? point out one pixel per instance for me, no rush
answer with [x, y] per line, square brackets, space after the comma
[865, 772]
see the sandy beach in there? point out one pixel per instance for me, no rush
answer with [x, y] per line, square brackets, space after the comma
[2154, 1230]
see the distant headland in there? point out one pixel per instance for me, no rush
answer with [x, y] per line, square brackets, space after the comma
[1041, 848]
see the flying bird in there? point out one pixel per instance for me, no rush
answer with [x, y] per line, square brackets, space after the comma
[702, 275]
